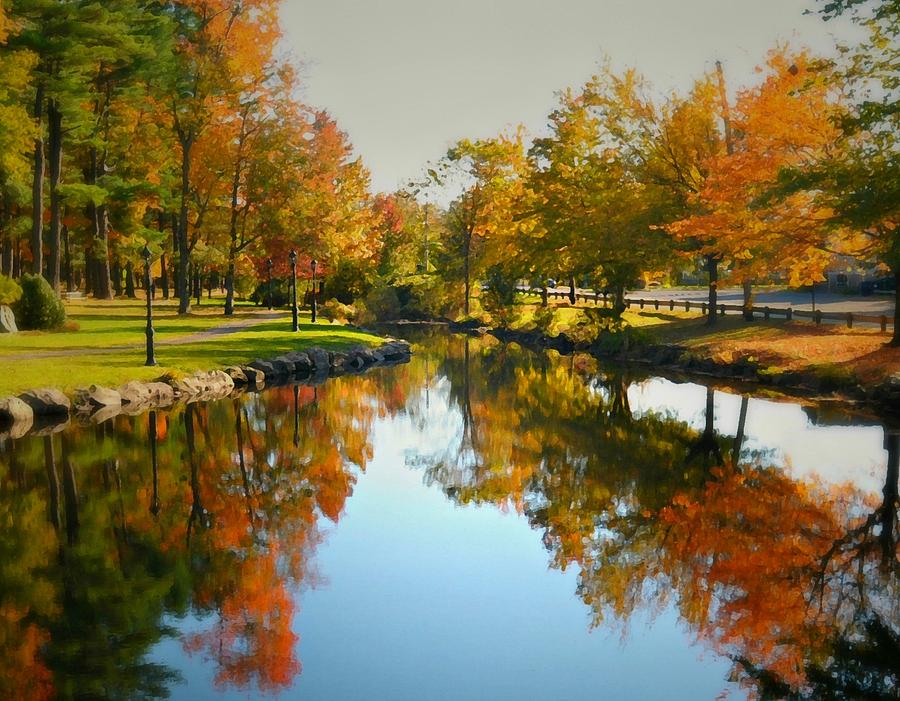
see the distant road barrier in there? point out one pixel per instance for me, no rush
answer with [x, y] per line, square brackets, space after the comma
[818, 316]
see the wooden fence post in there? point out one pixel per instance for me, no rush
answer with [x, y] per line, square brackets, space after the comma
[789, 314]
[687, 305]
[883, 324]
[721, 310]
[766, 312]
[818, 316]
[703, 309]
[671, 305]
[849, 320]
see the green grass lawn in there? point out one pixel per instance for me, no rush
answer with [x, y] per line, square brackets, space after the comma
[122, 322]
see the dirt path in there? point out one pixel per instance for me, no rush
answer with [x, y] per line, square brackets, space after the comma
[221, 330]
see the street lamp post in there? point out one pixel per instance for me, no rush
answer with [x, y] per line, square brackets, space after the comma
[151, 357]
[295, 323]
[269, 265]
[315, 294]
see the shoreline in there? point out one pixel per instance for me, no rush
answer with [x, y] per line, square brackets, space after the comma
[45, 411]
[881, 400]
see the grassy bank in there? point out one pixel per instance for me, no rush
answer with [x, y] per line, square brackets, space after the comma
[103, 343]
[853, 355]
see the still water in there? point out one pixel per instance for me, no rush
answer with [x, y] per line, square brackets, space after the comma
[482, 523]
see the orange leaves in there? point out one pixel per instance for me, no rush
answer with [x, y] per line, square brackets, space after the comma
[785, 122]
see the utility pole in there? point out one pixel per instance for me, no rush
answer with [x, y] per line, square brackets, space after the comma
[729, 149]
[426, 237]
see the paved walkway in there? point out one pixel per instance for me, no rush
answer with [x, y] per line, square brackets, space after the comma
[825, 301]
[225, 329]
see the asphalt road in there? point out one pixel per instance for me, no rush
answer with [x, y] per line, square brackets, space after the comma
[825, 301]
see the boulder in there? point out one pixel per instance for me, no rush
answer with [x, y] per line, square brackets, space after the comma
[299, 361]
[47, 402]
[7, 320]
[139, 396]
[89, 399]
[203, 386]
[16, 416]
[319, 359]
[255, 378]
[237, 375]
[275, 371]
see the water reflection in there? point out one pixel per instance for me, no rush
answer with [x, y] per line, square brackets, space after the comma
[202, 526]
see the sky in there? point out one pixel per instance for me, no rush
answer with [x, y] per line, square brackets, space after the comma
[407, 78]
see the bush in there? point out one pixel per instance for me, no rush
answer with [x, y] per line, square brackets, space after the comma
[499, 297]
[39, 306]
[335, 311]
[10, 290]
[281, 293]
[349, 281]
[418, 297]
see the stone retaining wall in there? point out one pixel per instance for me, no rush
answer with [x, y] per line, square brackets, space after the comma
[51, 410]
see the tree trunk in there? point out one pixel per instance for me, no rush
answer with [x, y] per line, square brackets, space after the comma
[197, 285]
[37, 188]
[184, 287]
[229, 289]
[572, 298]
[55, 144]
[163, 262]
[619, 299]
[67, 264]
[7, 259]
[466, 253]
[712, 267]
[129, 280]
[748, 300]
[88, 273]
[116, 277]
[545, 297]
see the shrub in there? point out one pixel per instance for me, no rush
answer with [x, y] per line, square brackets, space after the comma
[39, 306]
[10, 290]
[418, 297]
[281, 293]
[349, 281]
[335, 311]
[499, 297]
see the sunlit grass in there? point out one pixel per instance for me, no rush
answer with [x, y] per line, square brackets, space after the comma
[108, 324]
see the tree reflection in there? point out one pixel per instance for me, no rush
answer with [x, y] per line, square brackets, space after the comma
[794, 581]
[113, 533]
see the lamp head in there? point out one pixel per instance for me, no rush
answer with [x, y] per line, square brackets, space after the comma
[293, 256]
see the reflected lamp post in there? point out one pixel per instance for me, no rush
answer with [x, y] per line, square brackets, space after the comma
[151, 356]
[315, 294]
[295, 323]
[269, 265]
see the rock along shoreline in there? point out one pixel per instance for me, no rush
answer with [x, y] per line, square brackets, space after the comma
[882, 399]
[48, 410]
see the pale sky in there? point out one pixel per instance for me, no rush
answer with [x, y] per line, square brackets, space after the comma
[406, 78]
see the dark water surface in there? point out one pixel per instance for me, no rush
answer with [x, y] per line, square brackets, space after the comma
[482, 523]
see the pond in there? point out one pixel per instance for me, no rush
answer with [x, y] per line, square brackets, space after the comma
[484, 522]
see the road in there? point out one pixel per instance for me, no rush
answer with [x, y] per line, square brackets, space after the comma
[825, 301]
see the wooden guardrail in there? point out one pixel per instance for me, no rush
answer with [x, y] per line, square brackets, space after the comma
[818, 316]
